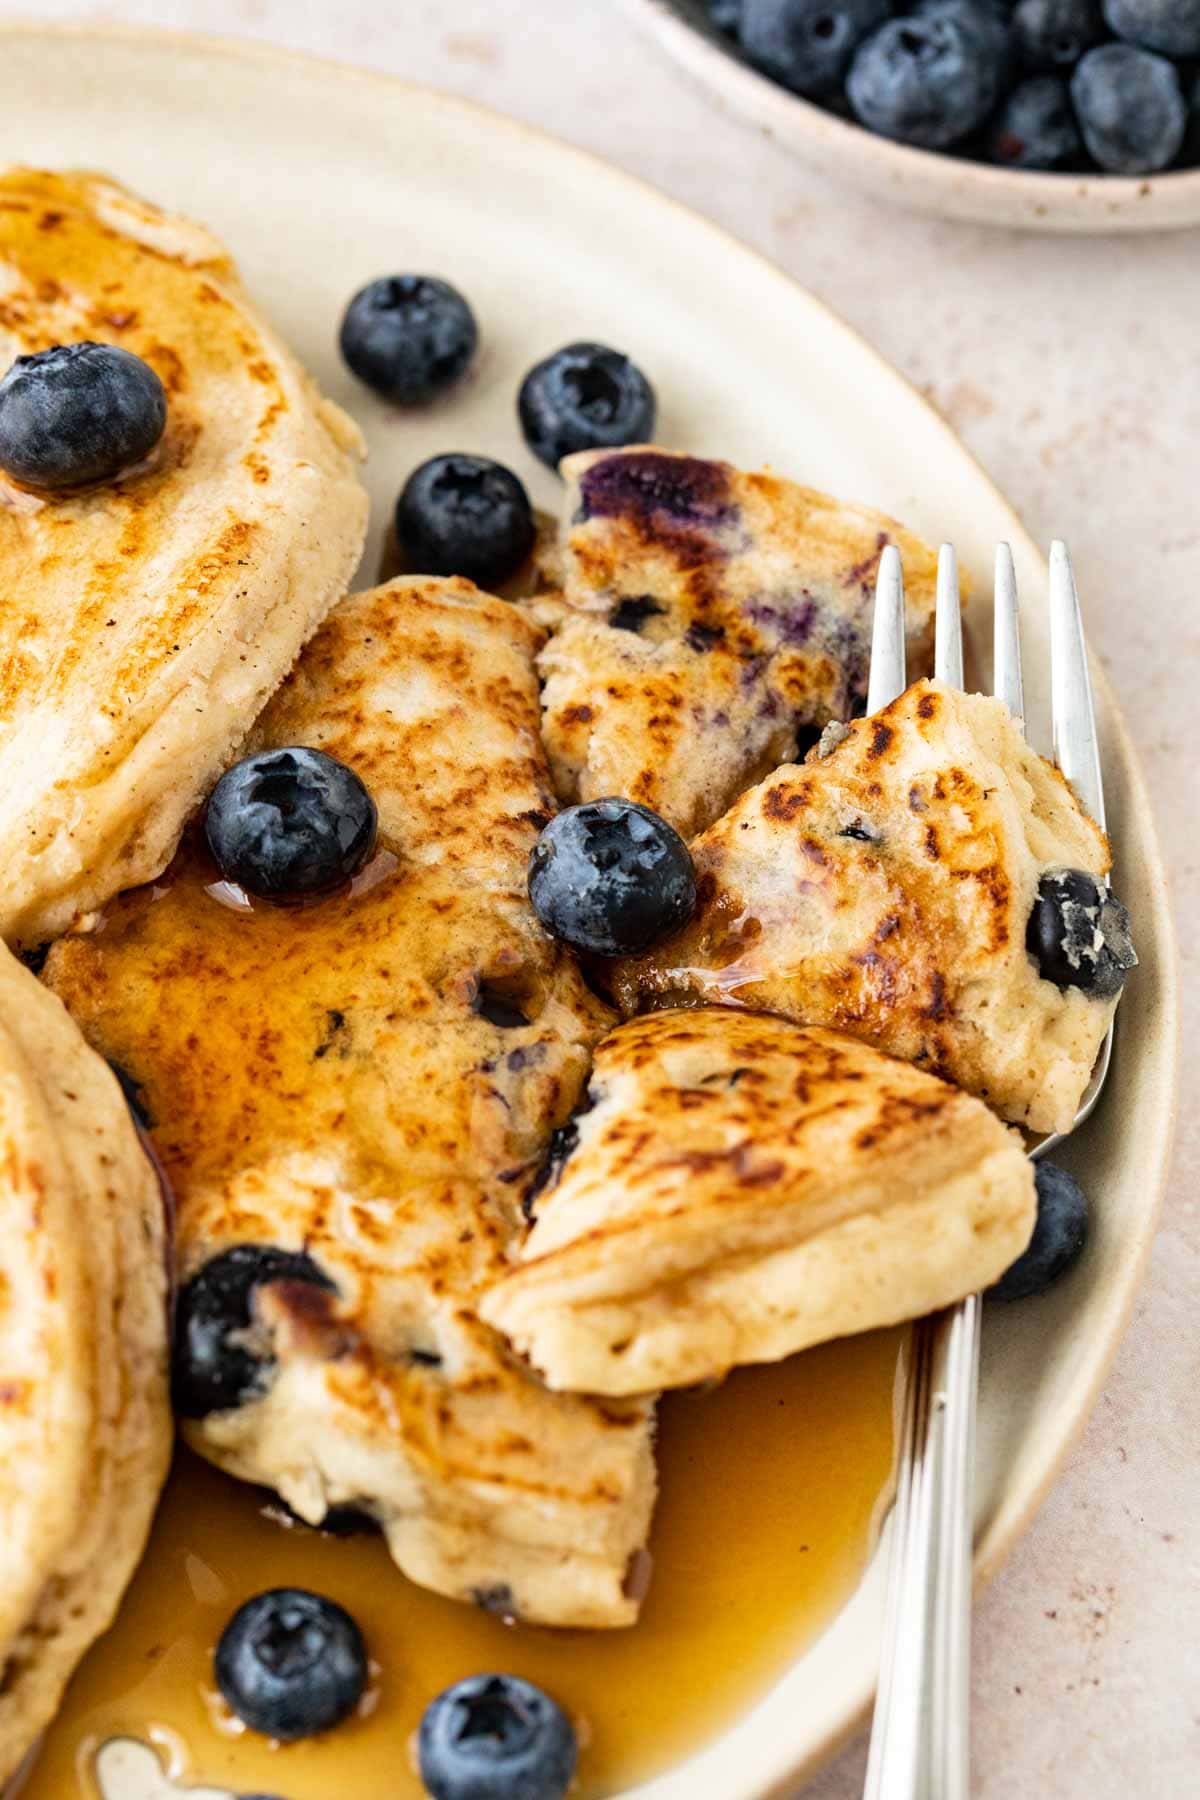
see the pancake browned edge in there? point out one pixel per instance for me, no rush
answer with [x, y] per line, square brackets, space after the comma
[85, 1428]
[884, 888]
[740, 1188]
[372, 1081]
[145, 622]
[707, 618]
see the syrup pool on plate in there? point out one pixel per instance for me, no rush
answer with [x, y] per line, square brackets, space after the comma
[771, 1490]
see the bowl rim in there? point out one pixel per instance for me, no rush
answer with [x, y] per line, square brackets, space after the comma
[956, 185]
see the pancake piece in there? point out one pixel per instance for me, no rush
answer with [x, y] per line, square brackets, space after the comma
[372, 1080]
[145, 622]
[706, 617]
[741, 1188]
[884, 889]
[85, 1426]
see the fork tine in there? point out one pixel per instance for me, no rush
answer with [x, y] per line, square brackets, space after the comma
[1076, 749]
[948, 651]
[1006, 656]
[888, 677]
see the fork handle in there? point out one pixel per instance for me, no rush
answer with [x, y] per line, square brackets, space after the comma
[920, 1744]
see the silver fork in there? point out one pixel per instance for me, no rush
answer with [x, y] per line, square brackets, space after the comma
[920, 1739]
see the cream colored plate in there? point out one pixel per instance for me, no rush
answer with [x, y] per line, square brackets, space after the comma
[319, 178]
[958, 189]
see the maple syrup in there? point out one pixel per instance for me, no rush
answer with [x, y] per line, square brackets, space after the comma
[771, 1490]
[771, 1482]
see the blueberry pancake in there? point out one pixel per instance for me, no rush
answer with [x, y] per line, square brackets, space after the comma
[739, 1188]
[146, 616]
[350, 1097]
[926, 882]
[85, 1426]
[707, 617]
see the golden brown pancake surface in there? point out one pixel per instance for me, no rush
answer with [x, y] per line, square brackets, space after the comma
[145, 621]
[884, 889]
[371, 1081]
[740, 1188]
[706, 616]
[85, 1425]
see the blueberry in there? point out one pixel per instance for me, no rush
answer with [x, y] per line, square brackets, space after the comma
[464, 515]
[726, 15]
[408, 336]
[216, 1363]
[986, 22]
[1052, 35]
[77, 414]
[928, 80]
[1130, 108]
[1059, 1235]
[1036, 127]
[611, 877]
[584, 397]
[807, 44]
[290, 824]
[1078, 934]
[496, 1737]
[1169, 26]
[291, 1663]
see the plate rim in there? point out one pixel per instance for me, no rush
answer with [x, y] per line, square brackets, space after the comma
[1010, 1521]
[928, 181]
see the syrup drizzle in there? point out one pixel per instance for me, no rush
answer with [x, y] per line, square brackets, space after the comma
[771, 1489]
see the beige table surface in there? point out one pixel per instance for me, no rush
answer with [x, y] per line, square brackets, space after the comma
[1072, 370]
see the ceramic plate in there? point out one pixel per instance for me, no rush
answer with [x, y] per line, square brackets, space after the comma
[949, 185]
[320, 177]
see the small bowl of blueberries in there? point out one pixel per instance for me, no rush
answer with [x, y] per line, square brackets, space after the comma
[1051, 115]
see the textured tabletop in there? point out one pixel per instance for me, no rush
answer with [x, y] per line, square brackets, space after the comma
[1072, 370]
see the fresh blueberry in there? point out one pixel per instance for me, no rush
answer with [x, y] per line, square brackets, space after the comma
[77, 414]
[1130, 108]
[1078, 934]
[290, 824]
[1169, 26]
[1052, 35]
[611, 877]
[584, 397]
[1059, 1235]
[726, 15]
[1036, 127]
[216, 1363]
[291, 1663]
[496, 1737]
[408, 336]
[807, 44]
[464, 515]
[986, 21]
[929, 80]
